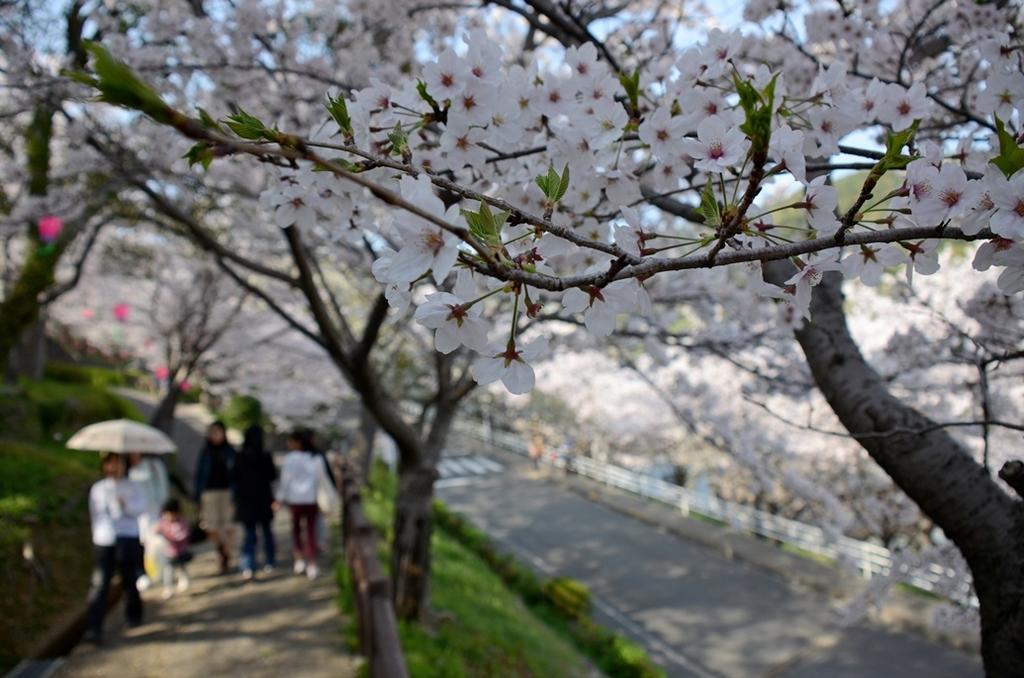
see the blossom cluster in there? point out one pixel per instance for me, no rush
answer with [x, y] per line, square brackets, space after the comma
[711, 123]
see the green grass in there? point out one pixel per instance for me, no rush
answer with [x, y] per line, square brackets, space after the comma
[919, 592]
[480, 627]
[809, 555]
[43, 501]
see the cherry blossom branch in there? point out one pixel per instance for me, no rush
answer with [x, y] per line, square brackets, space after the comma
[268, 300]
[652, 266]
[518, 215]
[293, 148]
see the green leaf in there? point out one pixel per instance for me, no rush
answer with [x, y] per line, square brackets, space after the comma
[485, 225]
[757, 107]
[894, 143]
[248, 126]
[117, 84]
[338, 109]
[207, 120]
[563, 184]
[399, 142]
[631, 85]
[201, 153]
[421, 88]
[709, 207]
[553, 184]
[544, 182]
[1011, 156]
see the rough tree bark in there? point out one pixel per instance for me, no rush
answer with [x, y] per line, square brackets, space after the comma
[365, 438]
[940, 475]
[413, 520]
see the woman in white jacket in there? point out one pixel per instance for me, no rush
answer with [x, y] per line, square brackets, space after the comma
[303, 474]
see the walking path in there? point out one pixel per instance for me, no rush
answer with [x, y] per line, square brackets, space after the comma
[277, 625]
[698, 613]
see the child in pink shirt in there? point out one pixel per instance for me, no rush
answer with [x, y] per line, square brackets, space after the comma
[175, 532]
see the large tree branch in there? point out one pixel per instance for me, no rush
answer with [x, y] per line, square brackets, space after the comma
[270, 302]
[371, 330]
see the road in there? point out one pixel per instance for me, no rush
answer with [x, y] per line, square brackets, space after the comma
[697, 613]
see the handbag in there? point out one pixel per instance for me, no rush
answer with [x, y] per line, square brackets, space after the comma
[326, 495]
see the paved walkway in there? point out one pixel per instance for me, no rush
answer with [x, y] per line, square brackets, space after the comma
[277, 625]
[697, 613]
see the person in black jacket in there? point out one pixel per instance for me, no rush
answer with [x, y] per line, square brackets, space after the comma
[214, 490]
[254, 497]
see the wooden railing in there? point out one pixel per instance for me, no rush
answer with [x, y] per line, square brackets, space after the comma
[371, 588]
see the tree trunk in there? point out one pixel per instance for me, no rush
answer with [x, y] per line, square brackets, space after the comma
[935, 471]
[362, 447]
[163, 416]
[28, 357]
[20, 309]
[414, 523]
[410, 546]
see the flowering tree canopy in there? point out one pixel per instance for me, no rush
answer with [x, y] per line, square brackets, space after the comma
[542, 181]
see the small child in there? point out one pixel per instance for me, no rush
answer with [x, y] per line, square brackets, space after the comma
[175, 531]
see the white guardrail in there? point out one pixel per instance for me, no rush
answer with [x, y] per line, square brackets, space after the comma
[870, 559]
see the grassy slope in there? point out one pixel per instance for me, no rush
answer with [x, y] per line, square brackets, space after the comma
[43, 490]
[482, 628]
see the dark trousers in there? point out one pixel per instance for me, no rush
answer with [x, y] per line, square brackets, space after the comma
[123, 557]
[249, 545]
[304, 513]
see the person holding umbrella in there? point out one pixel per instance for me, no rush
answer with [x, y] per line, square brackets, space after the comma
[115, 504]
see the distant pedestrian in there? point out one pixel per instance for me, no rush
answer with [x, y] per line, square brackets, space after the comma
[115, 504]
[174, 548]
[214, 488]
[303, 476]
[536, 450]
[254, 497]
[309, 444]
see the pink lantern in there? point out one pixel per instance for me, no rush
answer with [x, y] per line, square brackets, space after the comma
[121, 312]
[88, 313]
[161, 372]
[49, 228]
[184, 386]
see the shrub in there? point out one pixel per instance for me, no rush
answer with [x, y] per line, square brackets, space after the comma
[569, 596]
[242, 411]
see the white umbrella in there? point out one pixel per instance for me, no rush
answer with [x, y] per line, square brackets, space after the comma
[122, 436]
